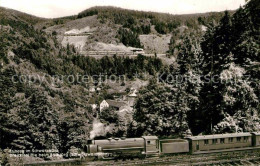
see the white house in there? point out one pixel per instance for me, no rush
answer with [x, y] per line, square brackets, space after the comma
[133, 93]
[103, 105]
[116, 105]
[92, 89]
[94, 106]
[132, 97]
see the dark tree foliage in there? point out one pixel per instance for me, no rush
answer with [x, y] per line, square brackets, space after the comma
[129, 38]
[118, 65]
[109, 116]
[231, 47]
[135, 20]
[28, 119]
[7, 91]
[43, 116]
[161, 27]
[160, 110]
[219, 88]
[25, 125]
[72, 129]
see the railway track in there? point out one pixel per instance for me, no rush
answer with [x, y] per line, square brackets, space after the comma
[228, 158]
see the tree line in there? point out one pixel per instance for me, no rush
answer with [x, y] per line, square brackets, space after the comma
[224, 98]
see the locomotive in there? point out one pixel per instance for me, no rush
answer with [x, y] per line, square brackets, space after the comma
[152, 146]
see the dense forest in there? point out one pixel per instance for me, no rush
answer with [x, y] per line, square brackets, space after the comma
[40, 115]
[138, 20]
[214, 86]
[134, 23]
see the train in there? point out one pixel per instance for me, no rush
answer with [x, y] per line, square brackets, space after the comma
[147, 146]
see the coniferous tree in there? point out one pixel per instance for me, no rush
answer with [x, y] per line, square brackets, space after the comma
[160, 110]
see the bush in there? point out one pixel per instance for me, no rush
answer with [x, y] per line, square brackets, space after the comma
[5, 159]
[109, 115]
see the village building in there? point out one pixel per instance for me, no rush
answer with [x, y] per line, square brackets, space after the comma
[92, 89]
[114, 104]
[125, 102]
[103, 105]
[132, 97]
[133, 93]
[126, 109]
[94, 106]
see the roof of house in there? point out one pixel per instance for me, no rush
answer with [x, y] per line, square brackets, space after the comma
[116, 104]
[219, 136]
[125, 109]
[133, 95]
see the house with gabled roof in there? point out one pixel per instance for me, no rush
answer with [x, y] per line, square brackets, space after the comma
[131, 98]
[114, 104]
[103, 105]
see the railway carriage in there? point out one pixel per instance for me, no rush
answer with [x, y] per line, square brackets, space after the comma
[255, 139]
[171, 146]
[219, 142]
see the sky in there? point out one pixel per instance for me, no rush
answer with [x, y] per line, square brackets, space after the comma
[59, 8]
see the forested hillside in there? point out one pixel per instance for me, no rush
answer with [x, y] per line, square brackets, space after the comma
[41, 106]
[115, 26]
[139, 21]
[134, 23]
[215, 88]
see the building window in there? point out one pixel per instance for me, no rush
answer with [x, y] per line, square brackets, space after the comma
[206, 142]
[245, 139]
[222, 140]
[89, 142]
[214, 141]
[238, 139]
[148, 142]
[230, 139]
[197, 146]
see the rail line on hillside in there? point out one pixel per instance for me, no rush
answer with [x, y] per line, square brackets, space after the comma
[100, 54]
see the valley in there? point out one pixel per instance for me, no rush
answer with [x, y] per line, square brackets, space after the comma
[110, 72]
